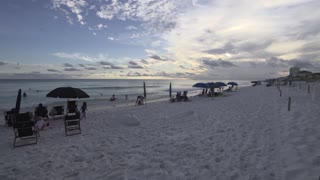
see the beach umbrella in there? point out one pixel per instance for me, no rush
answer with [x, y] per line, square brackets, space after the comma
[18, 102]
[67, 92]
[144, 92]
[201, 85]
[220, 84]
[170, 90]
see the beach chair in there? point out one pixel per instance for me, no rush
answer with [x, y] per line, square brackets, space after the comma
[72, 124]
[24, 129]
[7, 118]
[57, 111]
[184, 96]
[72, 107]
[178, 96]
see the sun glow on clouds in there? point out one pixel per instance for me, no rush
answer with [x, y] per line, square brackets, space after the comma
[187, 31]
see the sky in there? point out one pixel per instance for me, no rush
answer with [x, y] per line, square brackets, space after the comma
[158, 39]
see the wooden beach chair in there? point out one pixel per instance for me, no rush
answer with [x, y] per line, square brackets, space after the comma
[24, 129]
[72, 124]
[7, 118]
[184, 96]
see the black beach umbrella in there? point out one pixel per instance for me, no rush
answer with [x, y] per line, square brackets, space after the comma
[144, 92]
[67, 92]
[170, 91]
[18, 102]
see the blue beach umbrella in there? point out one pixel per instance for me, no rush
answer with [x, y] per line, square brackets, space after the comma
[220, 84]
[170, 91]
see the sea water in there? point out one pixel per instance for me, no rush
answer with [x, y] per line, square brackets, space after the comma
[99, 90]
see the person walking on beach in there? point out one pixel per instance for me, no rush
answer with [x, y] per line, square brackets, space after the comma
[83, 110]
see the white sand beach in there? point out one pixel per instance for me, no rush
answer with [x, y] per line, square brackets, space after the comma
[248, 134]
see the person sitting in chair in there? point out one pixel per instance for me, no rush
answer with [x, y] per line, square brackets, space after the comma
[113, 98]
[139, 100]
[41, 111]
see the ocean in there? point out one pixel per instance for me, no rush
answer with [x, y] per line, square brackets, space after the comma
[99, 90]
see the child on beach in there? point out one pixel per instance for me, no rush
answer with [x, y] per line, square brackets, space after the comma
[83, 110]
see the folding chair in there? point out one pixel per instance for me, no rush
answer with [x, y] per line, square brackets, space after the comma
[24, 129]
[72, 124]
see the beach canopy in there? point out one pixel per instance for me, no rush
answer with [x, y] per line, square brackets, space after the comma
[67, 92]
[201, 85]
[232, 83]
[18, 102]
[212, 85]
[219, 84]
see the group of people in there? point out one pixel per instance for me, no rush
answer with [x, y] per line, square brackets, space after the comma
[139, 101]
[41, 114]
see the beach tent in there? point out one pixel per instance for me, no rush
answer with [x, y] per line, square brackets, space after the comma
[201, 85]
[232, 85]
[204, 86]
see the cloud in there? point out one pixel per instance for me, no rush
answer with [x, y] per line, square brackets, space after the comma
[91, 68]
[71, 69]
[70, 6]
[82, 65]
[135, 67]
[144, 61]
[133, 63]
[111, 38]
[67, 65]
[2, 63]
[105, 63]
[113, 67]
[37, 76]
[156, 15]
[75, 56]
[217, 63]
[53, 70]
[130, 28]
[156, 57]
